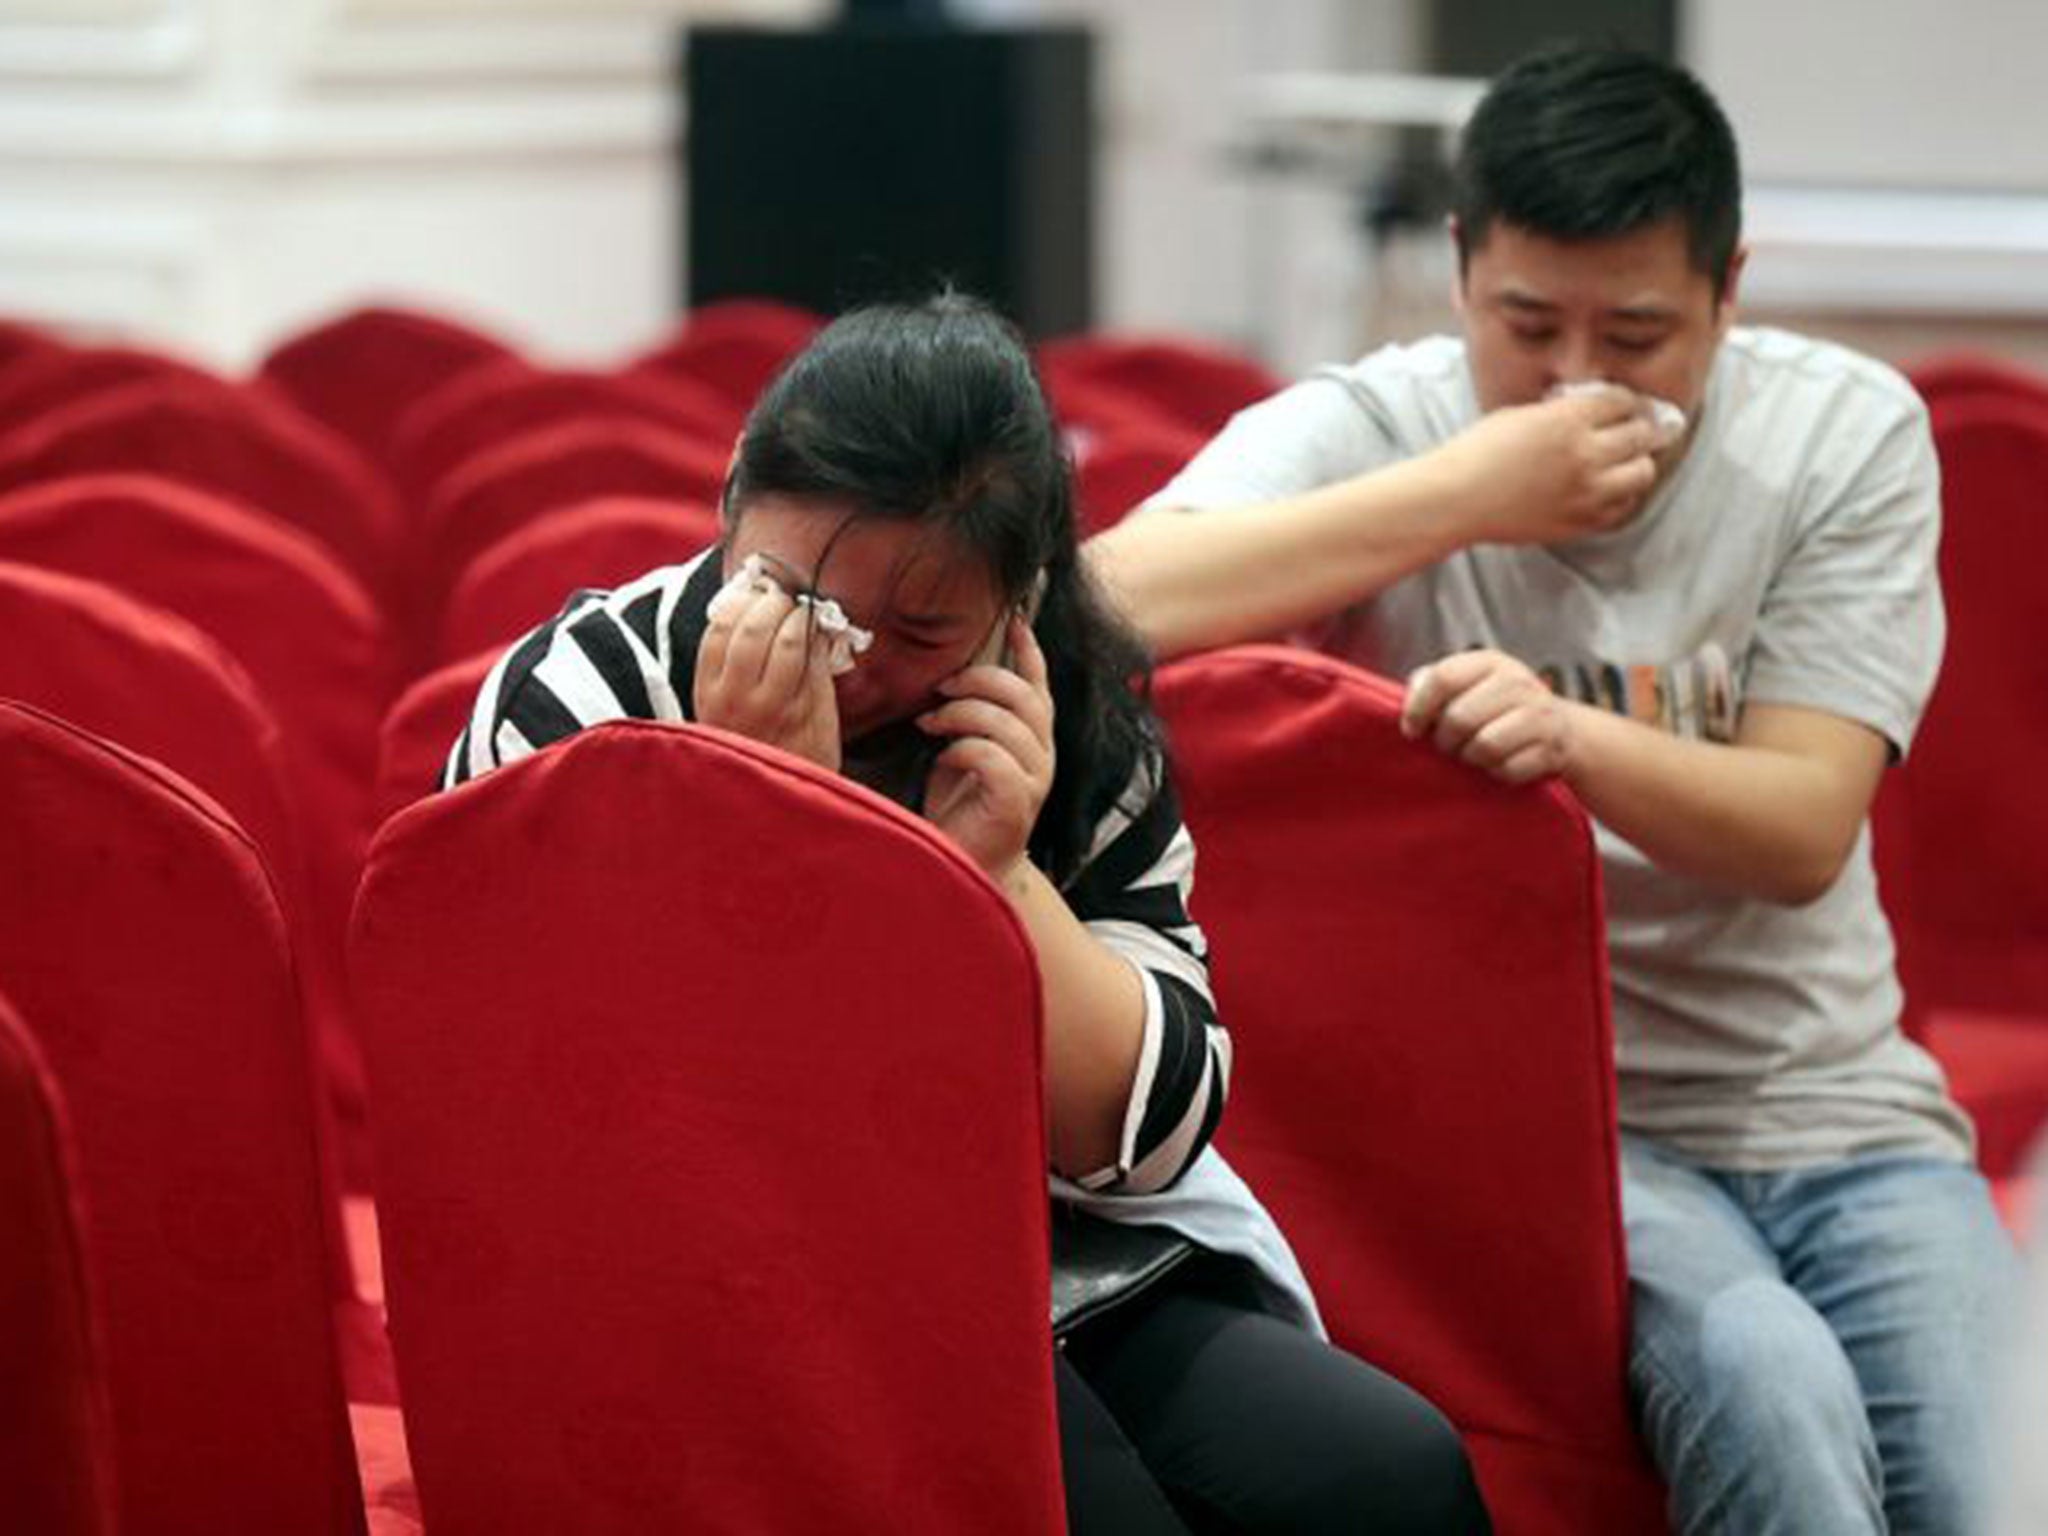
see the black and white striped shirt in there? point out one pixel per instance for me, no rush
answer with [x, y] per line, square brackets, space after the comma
[631, 653]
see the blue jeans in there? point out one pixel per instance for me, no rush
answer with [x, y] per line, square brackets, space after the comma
[1817, 1350]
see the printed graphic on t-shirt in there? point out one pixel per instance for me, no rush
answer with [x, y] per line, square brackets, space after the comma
[1694, 698]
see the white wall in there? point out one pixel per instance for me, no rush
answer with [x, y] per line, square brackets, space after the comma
[205, 174]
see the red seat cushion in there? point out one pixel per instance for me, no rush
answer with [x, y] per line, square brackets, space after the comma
[1198, 387]
[735, 346]
[420, 732]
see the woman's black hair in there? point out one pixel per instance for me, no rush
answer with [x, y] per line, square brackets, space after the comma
[931, 413]
[1583, 142]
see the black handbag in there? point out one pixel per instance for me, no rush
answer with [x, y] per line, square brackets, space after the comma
[1097, 1264]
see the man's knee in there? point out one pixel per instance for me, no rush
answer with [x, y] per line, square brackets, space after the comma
[1750, 1390]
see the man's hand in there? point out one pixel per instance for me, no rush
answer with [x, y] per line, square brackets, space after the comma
[763, 672]
[1560, 470]
[1491, 711]
[988, 785]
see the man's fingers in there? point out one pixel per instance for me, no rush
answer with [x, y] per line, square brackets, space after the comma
[1473, 710]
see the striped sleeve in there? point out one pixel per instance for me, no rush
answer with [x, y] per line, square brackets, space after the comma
[1132, 894]
[605, 656]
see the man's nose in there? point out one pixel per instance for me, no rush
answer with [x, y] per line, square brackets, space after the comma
[1575, 360]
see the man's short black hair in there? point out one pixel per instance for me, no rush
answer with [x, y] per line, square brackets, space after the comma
[1578, 142]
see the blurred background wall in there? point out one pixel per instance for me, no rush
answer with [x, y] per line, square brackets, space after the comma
[206, 174]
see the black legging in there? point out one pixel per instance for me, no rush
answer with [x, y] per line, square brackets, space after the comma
[1187, 1410]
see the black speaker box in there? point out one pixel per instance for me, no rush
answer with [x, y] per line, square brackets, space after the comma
[878, 159]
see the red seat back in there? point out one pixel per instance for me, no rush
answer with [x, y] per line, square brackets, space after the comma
[735, 346]
[1977, 825]
[1198, 387]
[58, 377]
[487, 407]
[56, 1428]
[420, 731]
[1411, 958]
[503, 489]
[1114, 472]
[140, 930]
[524, 577]
[147, 679]
[358, 372]
[310, 637]
[1951, 376]
[236, 446]
[712, 1156]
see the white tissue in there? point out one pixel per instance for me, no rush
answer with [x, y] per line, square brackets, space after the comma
[1667, 418]
[845, 640]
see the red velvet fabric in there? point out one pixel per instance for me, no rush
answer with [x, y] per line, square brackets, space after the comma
[1116, 471]
[144, 678]
[1997, 1066]
[713, 1165]
[310, 637]
[140, 930]
[53, 379]
[1198, 387]
[1951, 376]
[420, 731]
[735, 346]
[234, 445]
[19, 339]
[149, 680]
[1962, 835]
[56, 1427]
[358, 372]
[507, 487]
[524, 577]
[1412, 960]
[488, 406]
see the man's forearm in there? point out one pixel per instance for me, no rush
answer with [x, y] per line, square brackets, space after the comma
[1755, 819]
[1192, 581]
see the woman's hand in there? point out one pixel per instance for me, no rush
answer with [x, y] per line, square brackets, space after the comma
[987, 787]
[763, 672]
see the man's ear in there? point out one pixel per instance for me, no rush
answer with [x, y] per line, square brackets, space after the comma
[1724, 307]
[1456, 233]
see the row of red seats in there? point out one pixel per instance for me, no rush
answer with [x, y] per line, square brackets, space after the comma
[1961, 829]
[611, 1320]
[302, 786]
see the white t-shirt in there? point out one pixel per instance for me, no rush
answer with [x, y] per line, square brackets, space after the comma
[1788, 559]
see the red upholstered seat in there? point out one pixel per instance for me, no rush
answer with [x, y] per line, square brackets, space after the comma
[60, 376]
[310, 637]
[1951, 376]
[19, 339]
[358, 372]
[710, 1135]
[1115, 471]
[488, 406]
[234, 445]
[140, 931]
[507, 487]
[146, 678]
[735, 346]
[1962, 833]
[1197, 387]
[1412, 960]
[523, 578]
[420, 731]
[56, 1427]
